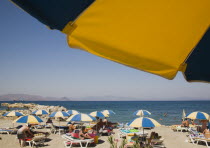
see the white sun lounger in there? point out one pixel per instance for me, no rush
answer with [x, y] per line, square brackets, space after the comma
[70, 141]
[5, 131]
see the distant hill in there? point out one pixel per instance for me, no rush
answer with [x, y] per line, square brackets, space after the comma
[26, 97]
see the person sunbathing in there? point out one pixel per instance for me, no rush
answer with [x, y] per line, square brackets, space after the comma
[71, 127]
[185, 123]
[83, 134]
[206, 132]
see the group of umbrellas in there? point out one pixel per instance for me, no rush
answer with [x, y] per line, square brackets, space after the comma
[74, 116]
[77, 116]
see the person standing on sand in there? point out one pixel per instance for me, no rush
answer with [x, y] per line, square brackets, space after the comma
[22, 134]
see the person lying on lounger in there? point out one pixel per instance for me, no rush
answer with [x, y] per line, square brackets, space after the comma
[83, 134]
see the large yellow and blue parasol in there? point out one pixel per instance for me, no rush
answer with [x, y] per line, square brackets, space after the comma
[13, 114]
[81, 117]
[28, 119]
[40, 112]
[198, 115]
[141, 113]
[73, 112]
[159, 37]
[107, 112]
[97, 114]
[59, 114]
[143, 122]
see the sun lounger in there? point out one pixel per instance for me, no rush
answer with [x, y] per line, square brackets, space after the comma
[195, 137]
[158, 143]
[4, 131]
[7, 131]
[37, 140]
[70, 141]
[39, 126]
[54, 130]
[180, 128]
[204, 139]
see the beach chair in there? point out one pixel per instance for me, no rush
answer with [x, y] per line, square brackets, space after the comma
[157, 143]
[7, 131]
[38, 140]
[70, 141]
[194, 138]
[105, 130]
[54, 130]
[180, 128]
[203, 139]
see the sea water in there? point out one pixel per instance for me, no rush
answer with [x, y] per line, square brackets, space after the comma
[165, 112]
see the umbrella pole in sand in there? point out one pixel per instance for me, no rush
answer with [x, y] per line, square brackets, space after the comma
[13, 122]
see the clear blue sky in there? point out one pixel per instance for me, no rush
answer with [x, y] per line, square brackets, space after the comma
[35, 60]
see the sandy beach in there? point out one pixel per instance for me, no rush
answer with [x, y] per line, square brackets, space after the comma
[171, 139]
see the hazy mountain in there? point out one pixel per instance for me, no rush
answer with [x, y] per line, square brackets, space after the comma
[26, 97]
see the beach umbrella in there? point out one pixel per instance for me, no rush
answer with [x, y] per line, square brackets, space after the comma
[107, 112]
[143, 46]
[198, 115]
[141, 113]
[143, 122]
[40, 112]
[81, 117]
[97, 114]
[28, 119]
[13, 114]
[59, 114]
[73, 112]
[183, 115]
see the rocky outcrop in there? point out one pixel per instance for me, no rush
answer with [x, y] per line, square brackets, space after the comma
[32, 107]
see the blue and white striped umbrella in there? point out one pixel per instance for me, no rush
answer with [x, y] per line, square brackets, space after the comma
[59, 114]
[141, 113]
[143, 122]
[107, 112]
[81, 117]
[12, 114]
[28, 119]
[72, 112]
[40, 112]
[97, 114]
[198, 115]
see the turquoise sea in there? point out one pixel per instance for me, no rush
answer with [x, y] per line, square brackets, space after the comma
[124, 109]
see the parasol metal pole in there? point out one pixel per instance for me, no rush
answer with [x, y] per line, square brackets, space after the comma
[13, 122]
